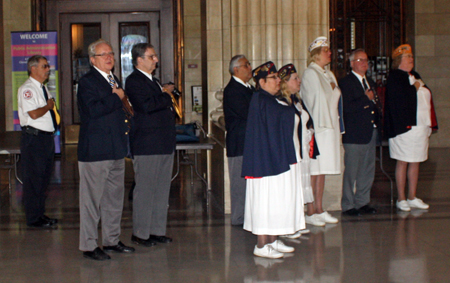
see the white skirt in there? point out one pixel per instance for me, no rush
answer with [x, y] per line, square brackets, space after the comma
[273, 204]
[329, 159]
[411, 146]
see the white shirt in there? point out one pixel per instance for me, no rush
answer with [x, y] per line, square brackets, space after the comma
[30, 96]
[149, 76]
[360, 78]
[105, 75]
[242, 82]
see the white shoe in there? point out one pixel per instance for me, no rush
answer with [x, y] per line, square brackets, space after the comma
[296, 235]
[281, 247]
[417, 203]
[304, 231]
[267, 251]
[327, 218]
[314, 220]
[292, 236]
[403, 205]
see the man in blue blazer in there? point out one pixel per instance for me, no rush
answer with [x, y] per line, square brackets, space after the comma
[236, 101]
[361, 118]
[102, 147]
[152, 143]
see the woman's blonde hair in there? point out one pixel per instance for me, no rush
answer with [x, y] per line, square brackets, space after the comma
[285, 93]
[396, 62]
[314, 54]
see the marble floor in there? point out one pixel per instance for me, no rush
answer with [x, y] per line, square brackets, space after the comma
[386, 247]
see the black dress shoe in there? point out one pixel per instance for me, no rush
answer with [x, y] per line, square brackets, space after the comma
[351, 212]
[143, 242]
[96, 254]
[51, 220]
[161, 239]
[119, 248]
[367, 209]
[42, 223]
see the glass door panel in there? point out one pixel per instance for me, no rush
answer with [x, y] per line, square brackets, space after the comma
[130, 34]
[82, 36]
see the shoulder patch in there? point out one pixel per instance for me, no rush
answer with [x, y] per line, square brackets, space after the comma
[27, 94]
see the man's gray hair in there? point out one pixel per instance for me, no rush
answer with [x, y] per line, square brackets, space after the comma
[34, 61]
[93, 45]
[234, 62]
[353, 53]
[139, 50]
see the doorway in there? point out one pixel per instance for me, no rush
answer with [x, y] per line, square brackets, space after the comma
[122, 30]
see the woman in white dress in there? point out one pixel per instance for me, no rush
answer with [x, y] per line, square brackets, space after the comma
[290, 87]
[274, 202]
[409, 120]
[321, 95]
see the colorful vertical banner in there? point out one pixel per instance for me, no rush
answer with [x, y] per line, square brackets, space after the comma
[23, 46]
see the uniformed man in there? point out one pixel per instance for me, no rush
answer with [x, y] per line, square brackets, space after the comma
[38, 122]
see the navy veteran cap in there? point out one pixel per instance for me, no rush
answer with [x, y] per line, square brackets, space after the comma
[264, 70]
[402, 49]
[286, 71]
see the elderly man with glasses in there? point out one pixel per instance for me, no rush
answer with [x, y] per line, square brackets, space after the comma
[236, 101]
[361, 119]
[102, 147]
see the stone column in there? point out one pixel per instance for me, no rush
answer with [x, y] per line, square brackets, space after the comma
[263, 30]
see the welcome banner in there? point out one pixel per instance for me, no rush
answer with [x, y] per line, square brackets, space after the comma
[23, 46]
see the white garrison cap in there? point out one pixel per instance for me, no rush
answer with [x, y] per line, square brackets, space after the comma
[318, 42]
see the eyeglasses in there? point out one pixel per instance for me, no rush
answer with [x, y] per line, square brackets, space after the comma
[273, 77]
[151, 56]
[45, 66]
[361, 60]
[104, 55]
[245, 65]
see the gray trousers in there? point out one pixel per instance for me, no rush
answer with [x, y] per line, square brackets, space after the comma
[359, 160]
[153, 175]
[101, 197]
[237, 190]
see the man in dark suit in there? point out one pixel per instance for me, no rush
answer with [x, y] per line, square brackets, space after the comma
[361, 117]
[152, 143]
[102, 147]
[236, 101]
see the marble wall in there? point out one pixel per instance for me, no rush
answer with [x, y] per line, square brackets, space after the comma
[276, 30]
[432, 39]
[193, 56]
[16, 17]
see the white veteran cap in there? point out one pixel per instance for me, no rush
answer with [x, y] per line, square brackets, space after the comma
[318, 42]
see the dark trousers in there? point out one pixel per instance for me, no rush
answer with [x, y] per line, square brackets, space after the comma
[37, 152]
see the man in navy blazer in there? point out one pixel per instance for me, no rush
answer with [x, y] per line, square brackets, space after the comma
[361, 118]
[236, 101]
[152, 141]
[102, 147]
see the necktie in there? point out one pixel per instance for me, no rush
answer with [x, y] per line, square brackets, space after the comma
[365, 84]
[111, 81]
[128, 114]
[53, 112]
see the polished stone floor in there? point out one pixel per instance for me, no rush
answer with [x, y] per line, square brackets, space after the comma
[386, 247]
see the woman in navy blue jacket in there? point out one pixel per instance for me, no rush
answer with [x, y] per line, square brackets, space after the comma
[409, 120]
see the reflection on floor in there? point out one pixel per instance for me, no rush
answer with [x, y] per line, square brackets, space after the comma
[386, 247]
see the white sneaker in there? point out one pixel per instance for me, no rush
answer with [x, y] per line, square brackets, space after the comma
[403, 205]
[281, 247]
[292, 236]
[314, 220]
[327, 218]
[304, 231]
[296, 235]
[267, 251]
[417, 203]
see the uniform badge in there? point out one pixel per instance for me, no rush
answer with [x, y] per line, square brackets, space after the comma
[27, 94]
